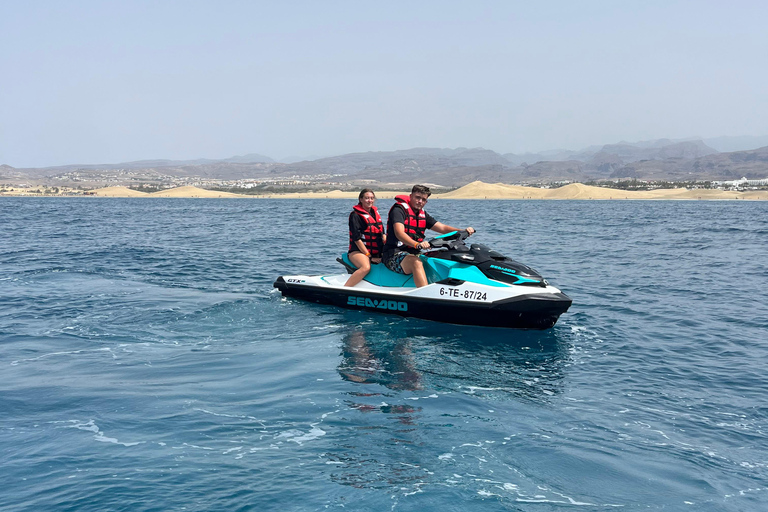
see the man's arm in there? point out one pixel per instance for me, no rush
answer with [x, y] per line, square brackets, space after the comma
[402, 236]
[443, 228]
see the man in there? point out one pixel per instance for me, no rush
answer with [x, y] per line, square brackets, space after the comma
[406, 224]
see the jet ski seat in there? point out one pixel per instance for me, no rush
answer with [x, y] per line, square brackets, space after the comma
[380, 275]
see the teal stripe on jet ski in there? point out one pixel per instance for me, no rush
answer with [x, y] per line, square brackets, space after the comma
[446, 269]
[521, 279]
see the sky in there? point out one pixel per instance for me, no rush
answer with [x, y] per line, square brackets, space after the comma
[94, 82]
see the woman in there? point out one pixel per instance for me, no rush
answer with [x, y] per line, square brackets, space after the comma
[366, 236]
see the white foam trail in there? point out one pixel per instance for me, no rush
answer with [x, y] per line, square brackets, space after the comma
[99, 436]
[52, 354]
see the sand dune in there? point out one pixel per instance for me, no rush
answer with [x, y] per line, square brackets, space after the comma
[118, 192]
[480, 190]
[190, 191]
[579, 191]
[708, 194]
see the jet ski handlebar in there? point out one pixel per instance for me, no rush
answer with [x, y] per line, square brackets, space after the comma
[447, 241]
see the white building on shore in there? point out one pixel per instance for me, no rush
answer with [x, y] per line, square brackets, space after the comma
[742, 183]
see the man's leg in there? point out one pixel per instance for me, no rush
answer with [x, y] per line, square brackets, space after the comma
[412, 265]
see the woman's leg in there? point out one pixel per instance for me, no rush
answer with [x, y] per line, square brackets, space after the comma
[363, 264]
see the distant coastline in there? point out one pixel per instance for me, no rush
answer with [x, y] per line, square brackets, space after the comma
[475, 190]
[664, 162]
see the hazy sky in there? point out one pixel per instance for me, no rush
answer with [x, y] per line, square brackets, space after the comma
[111, 81]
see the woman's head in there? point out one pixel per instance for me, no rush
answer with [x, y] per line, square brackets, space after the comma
[366, 198]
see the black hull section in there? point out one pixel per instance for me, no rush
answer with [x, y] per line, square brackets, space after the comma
[531, 311]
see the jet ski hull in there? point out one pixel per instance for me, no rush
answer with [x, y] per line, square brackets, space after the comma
[456, 303]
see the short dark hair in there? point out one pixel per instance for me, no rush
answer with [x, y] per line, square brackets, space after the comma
[421, 189]
[363, 192]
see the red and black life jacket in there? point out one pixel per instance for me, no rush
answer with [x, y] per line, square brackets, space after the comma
[372, 236]
[415, 223]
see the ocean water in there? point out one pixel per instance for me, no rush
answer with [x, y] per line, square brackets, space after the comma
[148, 365]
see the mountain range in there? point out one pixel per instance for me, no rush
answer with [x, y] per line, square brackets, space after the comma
[662, 159]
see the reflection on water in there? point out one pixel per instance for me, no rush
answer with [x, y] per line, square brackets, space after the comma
[410, 383]
[406, 355]
[388, 362]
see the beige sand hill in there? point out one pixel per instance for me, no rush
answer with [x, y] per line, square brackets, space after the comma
[579, 191]
[707, 194]
[118, 192]
[664, 193]
[190, 191]
[480, 190]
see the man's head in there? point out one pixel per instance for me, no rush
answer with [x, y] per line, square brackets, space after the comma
[419, 196]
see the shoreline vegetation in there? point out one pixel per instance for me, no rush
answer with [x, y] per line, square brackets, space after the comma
[474, 190]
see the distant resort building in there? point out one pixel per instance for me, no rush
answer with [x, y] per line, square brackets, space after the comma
[742, 183]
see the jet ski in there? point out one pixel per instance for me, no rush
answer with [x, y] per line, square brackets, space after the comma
[468, 285]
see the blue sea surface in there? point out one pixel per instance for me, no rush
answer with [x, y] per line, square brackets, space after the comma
[148, 365]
